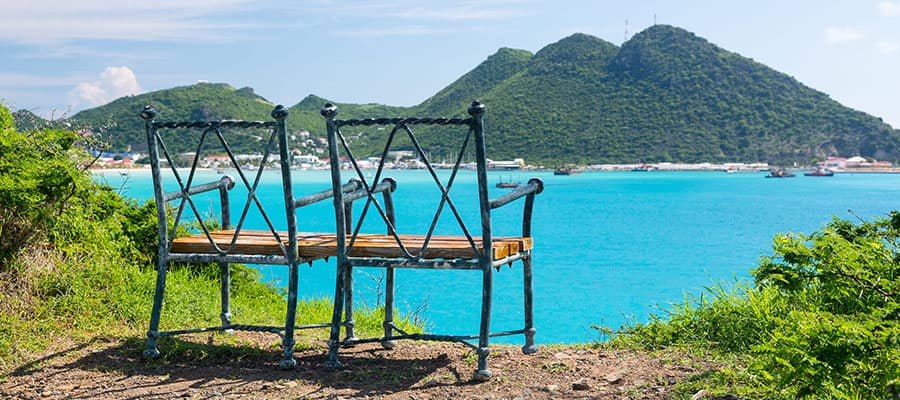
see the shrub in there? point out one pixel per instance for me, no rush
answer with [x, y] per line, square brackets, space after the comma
[821, 320]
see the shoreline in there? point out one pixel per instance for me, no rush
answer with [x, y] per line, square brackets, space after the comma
[667, 167]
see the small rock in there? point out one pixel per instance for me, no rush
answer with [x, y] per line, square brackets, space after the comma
[290, 384]
[699, 395]
[583, 351]
[526, 394]
[551, 388]
[581, 384]
[431, 383]
[561, 356]
[615, 376]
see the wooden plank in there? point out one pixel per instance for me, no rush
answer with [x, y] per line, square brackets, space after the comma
[317, 245]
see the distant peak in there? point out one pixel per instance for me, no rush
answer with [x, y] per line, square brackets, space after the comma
[663, 33]
[577, 47]
[311, 102]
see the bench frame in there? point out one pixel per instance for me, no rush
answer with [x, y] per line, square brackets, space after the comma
[225, 252]
[481, 256]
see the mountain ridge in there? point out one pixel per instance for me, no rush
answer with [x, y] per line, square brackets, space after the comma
[666, 94]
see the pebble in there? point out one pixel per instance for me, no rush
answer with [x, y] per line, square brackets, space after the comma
[615, 376]
[581, 384]
[699, 395]
[551, 388]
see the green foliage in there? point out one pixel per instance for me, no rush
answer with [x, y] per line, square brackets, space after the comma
[39, 173]
[119, 124]
[821, 321]
[665, 95]
[78, 259]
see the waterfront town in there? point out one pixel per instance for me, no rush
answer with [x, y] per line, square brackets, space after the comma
[408, 160]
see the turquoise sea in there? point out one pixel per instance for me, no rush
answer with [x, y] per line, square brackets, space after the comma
[609, 246]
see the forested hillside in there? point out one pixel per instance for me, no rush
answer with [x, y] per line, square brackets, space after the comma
[664, 95]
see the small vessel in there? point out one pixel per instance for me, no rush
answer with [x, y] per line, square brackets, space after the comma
[779, 173]
[643, 168]
[566, 171]
[820, 172]
[508, 184]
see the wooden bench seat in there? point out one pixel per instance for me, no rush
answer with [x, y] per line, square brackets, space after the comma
[318, 245]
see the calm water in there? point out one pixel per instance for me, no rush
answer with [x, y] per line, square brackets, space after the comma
[609, 247]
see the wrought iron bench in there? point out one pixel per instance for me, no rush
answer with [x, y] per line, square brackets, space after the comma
[229, 243]
[476, 251]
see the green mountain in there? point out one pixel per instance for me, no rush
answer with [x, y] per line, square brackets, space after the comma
[121, 126]
[668, 95]
[664, 95]
[27, 121]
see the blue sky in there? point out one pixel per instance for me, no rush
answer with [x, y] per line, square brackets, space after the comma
[61, 56]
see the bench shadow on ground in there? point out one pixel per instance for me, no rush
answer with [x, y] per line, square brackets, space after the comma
[244, 368]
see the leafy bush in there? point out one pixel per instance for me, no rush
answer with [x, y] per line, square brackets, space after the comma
[76, 258]
[821, 320]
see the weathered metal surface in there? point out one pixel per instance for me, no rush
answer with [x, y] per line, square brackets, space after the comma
[534, 185]
[428, 250]
[221, 249]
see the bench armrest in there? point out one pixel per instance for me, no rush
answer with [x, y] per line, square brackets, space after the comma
[226, 183]
[386, 185]
[354, 184]
[534, 186]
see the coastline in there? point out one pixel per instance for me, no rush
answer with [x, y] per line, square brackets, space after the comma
[672, 167]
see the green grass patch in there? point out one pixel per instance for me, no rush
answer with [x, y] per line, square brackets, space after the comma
[77, 262]
[820, 320]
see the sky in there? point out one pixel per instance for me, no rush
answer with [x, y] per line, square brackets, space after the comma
[58, 57]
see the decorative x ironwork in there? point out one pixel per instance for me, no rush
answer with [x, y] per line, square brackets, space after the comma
[400, 126]
[216, 129]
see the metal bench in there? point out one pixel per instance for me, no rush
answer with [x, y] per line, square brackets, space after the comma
[230, 243]
[477, 250]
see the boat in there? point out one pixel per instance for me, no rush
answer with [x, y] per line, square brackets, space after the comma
[566, 171]
[779, 173]
[643, 168]
[508, 184]
[820, 172]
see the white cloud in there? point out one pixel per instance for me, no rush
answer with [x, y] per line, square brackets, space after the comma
[842, 35]
[889, 9]
[114, 82]
[57, 22]
[392, 31]
[886, 47]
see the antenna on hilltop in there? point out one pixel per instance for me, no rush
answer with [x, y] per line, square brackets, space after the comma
[626, 30]
[654, 19]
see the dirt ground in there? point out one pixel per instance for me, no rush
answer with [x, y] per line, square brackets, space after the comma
[114, 369]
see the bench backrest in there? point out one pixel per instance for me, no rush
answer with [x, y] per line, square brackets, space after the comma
[178, 172]
[468, 132]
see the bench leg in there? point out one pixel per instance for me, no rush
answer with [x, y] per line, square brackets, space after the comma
[334, 341]
[349, 323]
[529, 347]
[483, 373]
[388, 309]
[153, 331]
[226, 296]
[287, 343]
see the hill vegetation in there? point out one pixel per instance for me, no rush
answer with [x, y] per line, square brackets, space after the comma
[664, 95]
[822, 319]
[76, 259]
